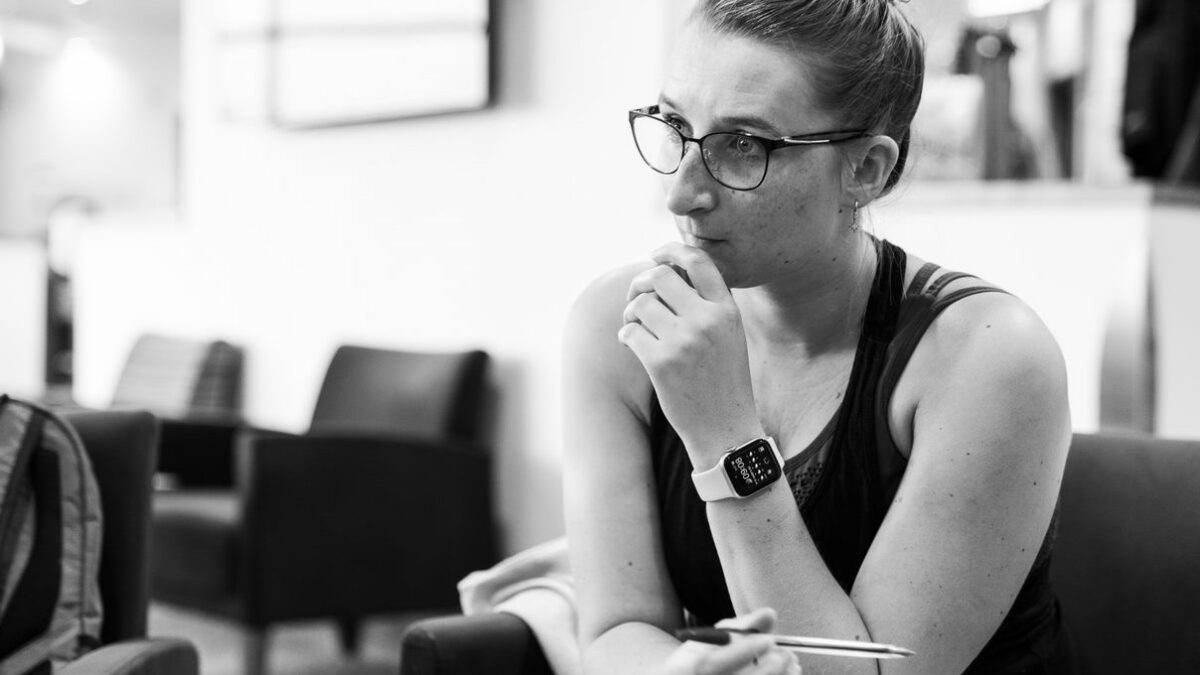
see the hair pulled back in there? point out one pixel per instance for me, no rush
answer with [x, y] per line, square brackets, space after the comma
[868, 59]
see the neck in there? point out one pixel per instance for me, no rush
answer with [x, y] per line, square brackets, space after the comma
[817, 311]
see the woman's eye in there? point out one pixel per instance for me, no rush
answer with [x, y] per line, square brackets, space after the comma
[744, 146]
[672, 118]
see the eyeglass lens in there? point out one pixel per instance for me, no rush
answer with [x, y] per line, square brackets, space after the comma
[733, 160]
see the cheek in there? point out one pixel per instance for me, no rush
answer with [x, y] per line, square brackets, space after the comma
[813, 191]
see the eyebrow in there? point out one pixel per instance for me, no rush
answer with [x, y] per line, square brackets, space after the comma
[743, 121]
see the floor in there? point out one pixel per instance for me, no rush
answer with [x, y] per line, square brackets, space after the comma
[295, 649]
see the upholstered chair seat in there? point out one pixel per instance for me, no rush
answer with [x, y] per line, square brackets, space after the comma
[379, 508]
[195, 543]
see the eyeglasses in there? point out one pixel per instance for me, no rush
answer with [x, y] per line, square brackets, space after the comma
[734, 159]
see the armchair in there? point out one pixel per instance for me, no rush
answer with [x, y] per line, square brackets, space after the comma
[122, 447]
[1124, 569]
[1125, 560]
[194, 387]
[381, 507]
[494, 643]
[180, 378]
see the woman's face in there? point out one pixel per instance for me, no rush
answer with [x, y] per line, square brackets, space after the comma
[790, 224]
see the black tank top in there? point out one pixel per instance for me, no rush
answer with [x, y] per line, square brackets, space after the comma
[845, 480]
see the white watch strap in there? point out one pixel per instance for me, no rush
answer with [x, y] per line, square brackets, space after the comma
[713, 484]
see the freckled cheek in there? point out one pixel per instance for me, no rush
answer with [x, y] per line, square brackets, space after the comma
[787, 215]
[766, 216]
[797, 190]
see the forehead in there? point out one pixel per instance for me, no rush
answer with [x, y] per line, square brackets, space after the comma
[715, 77]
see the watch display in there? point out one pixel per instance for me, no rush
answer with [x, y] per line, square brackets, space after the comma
[752, 467]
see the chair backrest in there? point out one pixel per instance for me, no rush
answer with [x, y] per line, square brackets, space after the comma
[429, 395]
[181, 378]
[1127, 558]
[123, 448]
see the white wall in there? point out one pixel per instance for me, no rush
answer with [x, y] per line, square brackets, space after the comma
[441, 233]
[22, 316]
[1175, 240]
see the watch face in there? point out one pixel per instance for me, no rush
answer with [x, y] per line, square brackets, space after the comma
[752, 467]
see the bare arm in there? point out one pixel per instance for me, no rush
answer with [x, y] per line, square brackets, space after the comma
[990, 432]
[612, 519]
[990, 437]
[627, 605]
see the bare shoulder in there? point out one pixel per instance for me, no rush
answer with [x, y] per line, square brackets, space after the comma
[591, 349]
[990, 346]
[995, 332]
[603, 299]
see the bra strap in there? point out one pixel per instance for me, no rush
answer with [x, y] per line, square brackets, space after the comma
[938, 284]
[921, 279]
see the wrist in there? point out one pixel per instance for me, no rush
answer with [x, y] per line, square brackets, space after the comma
[706, 451]
[742, 471]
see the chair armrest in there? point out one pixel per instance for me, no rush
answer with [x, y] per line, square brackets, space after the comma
[361, 522]
[198, 453]
[157, 656]
[494, 643]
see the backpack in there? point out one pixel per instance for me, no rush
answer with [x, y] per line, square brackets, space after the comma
[50, 528]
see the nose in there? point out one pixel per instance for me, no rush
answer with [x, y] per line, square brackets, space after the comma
[691, 188]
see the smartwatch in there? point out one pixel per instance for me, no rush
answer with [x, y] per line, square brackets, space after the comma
[741, 472]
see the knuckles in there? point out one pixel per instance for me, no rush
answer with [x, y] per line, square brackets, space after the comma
[651, 279]
[638, 305]
[658, 274]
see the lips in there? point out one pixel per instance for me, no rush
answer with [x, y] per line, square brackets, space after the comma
[699, 240]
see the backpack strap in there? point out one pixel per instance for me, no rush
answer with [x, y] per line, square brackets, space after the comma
[16, 502]
[30, 610]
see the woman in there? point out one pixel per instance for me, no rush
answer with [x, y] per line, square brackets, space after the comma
[921, 417]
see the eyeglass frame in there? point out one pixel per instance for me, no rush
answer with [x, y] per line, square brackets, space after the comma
[769, 144]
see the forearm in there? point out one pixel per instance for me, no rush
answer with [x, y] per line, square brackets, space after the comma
[770, 560]
[633, 648]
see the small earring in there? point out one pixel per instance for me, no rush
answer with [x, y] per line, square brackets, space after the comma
[854, 218]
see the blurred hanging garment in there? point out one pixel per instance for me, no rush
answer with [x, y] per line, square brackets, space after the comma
[1161, 121]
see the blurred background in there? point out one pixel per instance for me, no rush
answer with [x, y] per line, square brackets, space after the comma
[295, 175]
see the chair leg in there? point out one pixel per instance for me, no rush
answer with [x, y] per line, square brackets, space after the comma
[256, 651]
[349, 632]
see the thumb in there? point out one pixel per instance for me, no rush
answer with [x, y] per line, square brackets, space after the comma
[761, 620]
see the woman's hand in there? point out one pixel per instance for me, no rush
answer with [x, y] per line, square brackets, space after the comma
[744, 655]
[691, 342]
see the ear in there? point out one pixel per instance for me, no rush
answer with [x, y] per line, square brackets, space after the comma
[869, 163]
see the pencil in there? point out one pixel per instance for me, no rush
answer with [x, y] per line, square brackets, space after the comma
[808, 645]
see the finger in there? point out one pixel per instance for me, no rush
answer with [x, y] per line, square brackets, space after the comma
[774, 662]
[667, 282]
[649, 310]
[701, 270]
[740, 653]
[762, 620]
[637, 337]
